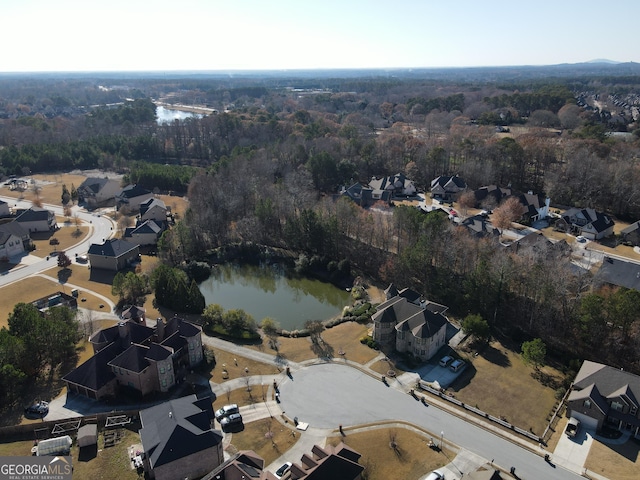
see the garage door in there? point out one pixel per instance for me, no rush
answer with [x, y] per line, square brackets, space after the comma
[587, 422]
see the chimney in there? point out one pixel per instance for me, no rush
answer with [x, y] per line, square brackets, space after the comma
[123, 331]
[160, 329]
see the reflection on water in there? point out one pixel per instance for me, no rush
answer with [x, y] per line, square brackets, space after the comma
[267, 291]
[166, 115]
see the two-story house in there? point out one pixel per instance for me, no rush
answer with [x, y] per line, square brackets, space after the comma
[141, 358]
[37, 219]
[98, 192]
[586, 222]
[407, 323]
[604, 395]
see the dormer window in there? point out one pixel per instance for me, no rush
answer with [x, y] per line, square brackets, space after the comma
[587, 404]
[617, 406]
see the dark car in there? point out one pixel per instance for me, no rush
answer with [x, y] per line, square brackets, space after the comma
[234, 418]
[39, 409]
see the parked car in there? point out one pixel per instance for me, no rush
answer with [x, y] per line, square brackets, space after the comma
[573, 425]
[435, 475]
[39, 409]
[581, 239]
[457, 365]
[231, 420]
[226, 411]
[283, 469]
[445, 361]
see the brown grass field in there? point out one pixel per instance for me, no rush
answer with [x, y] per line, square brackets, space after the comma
[522, 400]
[619, 462]
[412, 458]
[68, 236]
[32, 288]
[267, 437]
[227, 361]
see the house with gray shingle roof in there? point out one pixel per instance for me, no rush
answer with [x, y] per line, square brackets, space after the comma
[137, 357]
[178, 439]
[409, 324]
[631, 234]
[98, 192]
[145, 233]
[447, 187]
[113, 254]
[153, 209]
[4, 209]
[37, 219]
[603, 395]
[586, 222]
[132, 196]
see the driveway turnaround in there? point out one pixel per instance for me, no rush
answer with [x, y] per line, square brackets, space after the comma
[329, 395]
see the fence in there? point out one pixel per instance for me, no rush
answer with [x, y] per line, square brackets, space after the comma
[481, 413]
[556, 416]
[37, 431]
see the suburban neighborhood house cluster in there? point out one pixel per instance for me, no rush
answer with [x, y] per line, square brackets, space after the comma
[179, 437]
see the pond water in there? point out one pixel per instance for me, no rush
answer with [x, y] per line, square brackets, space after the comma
[268, 291]
[167, 115]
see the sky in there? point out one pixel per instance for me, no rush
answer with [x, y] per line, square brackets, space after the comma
[160, 35]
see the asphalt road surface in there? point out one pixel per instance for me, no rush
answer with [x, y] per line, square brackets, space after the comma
[328, 395]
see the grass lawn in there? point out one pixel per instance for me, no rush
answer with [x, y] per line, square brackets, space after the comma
[50, 187]
[383, 366]
[344, 337]
[67, 235]
[32, 288]
[267, 437]
[241, 397]
[614, 461]
[106, 463]
[411, 459]
[522, 400]
[177, 204]
[16, 448]
[227, 361]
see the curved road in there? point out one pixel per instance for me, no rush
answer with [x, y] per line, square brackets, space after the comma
[328, 395]
[102, 229]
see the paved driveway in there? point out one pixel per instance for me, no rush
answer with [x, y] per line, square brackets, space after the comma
[573, 452]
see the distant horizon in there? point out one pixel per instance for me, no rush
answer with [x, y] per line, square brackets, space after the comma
[321, 69]
[252, 35]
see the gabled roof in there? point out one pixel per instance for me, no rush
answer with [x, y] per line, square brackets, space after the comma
[95, 373]
[133, 191]
[424, 324]
[150, 203]
[590, 392]
[34, 214]
[479, 226]
[411, 295]
[618, 272]
[631, 228]
[93, 184]
[5, 236]
[133, 312]
[132, 359]
[497, 194]
[611, 382]
[176, 429]
[329, 463]
[598, 220]
[452, 183]
[112, 248]
[146, 227]
[14, 228]
[390, 183]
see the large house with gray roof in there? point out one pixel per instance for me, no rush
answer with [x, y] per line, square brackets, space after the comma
[134, 356]
[98, 192]
[37, 219]
[178, 439]
[587, 222]
[606, 396]
[132, 196]
[113, 254]
[410, 324]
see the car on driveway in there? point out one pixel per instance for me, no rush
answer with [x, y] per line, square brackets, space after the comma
[39, 410]
[445, 361]
[581, 239]
[283, 469]
[226, 411]
[435, 475]
[233, 419]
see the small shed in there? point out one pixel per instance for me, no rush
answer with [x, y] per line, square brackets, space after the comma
[54, 446]
[88, 435]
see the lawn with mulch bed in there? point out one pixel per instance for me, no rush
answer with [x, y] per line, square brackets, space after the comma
[341, 338]
[411, 457]
[618, 462]
[522, 400]
[267, 437]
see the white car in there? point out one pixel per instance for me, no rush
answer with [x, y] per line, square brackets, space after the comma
[435, 475]
[581, 239]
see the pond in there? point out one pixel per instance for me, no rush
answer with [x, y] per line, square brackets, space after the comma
[168, 115]
[269, 291]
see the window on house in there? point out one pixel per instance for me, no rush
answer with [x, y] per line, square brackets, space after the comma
[633, 410]
[587, 404]
[617, 406]
[168, 368]
[161, 369]
[164, 383]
